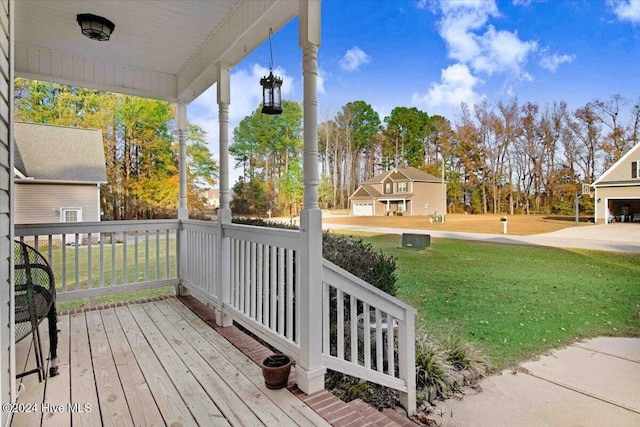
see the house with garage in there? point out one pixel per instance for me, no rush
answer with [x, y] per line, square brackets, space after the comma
[58, 171]
[617, 191]
[406, 191]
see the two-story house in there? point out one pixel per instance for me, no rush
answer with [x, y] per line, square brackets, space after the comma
[407, 190]
[617, 191]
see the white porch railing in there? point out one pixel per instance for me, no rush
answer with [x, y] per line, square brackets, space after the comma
[200, 241]
[360, 324]
[92, 259]
[262, 284]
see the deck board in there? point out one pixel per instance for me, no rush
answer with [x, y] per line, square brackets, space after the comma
[142, 406]
[58, 392]
[230, 405]
[167, 398]
[230, 377]
[83, 385]
[29, 388]
[199, 403]
[113, 403]
[296, 410]
[154, 364]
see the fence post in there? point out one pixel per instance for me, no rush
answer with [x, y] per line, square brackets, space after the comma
[407, 360]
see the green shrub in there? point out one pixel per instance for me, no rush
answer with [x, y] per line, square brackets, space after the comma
[257, 222]
[440, 365]
[463, 356]
[362, 260]
[433, 370]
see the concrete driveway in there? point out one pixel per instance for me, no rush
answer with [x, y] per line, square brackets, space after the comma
[605, 237]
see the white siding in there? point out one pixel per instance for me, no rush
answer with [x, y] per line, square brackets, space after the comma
[38, 203]
[6, 307]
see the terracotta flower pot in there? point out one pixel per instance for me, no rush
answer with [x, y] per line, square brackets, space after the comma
[275, 370]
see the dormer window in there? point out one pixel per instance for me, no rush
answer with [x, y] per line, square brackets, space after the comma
[388, 188]
[402, 187]
[635, 170]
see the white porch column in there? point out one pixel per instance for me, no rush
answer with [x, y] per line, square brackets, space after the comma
[183, 211]
[309, 369]
[181, 113]
[223, 282]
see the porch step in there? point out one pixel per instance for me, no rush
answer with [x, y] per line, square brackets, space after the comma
[336, 412]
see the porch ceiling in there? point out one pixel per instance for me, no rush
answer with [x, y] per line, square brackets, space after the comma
[165, 49]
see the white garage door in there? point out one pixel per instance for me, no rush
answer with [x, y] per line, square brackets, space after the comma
[362, 209]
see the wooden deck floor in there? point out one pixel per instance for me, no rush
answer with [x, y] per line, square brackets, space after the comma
[151, 364]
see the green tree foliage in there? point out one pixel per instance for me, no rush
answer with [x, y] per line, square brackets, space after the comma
[269, 150]
[141, 150]
[407, 129]
[511, 157]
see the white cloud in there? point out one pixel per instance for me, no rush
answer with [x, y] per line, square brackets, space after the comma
[522, 2]
[552, 62]
[353, 59]
[246, 96]
[479, 49]
[459, 20]
[490, 51]
[503, 51]
[320, 81]
[626, 10]
[457, 85]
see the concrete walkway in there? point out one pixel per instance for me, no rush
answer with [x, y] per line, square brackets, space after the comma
[591, 383]
[605, 237]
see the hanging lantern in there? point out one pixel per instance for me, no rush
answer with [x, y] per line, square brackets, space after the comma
[271, 98]
[271, 88]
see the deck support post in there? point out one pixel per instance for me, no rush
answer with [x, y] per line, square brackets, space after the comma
[310, 369]
[183, 210]
[223, 279]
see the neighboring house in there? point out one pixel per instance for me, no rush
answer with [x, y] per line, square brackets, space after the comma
[617, 191]
[213, 198]
[407, 190]
[57, 172]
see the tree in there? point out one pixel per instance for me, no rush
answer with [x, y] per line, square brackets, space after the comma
[139, 140]
[614, 143]
[269, 148]
[407, 129]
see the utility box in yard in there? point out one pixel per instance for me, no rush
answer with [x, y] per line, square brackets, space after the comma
[416, 241]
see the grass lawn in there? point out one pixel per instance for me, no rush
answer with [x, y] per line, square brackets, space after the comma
[517, 301]
[112, 257]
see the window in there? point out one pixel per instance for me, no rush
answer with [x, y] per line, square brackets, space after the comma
[401, 208]
[635, 170]
[402, 187]
[70, 215]
[387, 188]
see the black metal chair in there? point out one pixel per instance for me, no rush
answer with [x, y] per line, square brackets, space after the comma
[35, 299]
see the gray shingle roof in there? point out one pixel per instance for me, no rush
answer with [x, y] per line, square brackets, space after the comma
[59, 153]
[411, 173]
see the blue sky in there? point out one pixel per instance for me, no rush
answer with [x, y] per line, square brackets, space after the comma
[433, 55]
